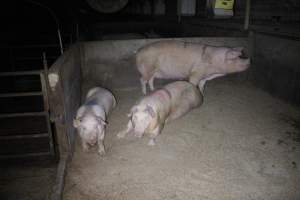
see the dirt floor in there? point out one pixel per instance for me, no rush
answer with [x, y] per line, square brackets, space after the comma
[240, 144]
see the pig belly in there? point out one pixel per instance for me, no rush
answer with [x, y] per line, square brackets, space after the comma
[173, 71]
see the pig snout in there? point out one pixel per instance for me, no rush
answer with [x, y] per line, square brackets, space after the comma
[245, 64]
[90, 136]
[237, 65]
[139, 129]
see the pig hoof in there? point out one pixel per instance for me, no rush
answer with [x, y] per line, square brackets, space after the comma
[151, 142]
[101, 152]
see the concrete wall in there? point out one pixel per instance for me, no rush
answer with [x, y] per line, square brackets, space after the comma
[111, 63]
[276, 66]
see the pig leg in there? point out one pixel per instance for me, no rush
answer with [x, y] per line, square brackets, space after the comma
[151, 83]
[153, 135]
[144, 86]
[203, 81]
[123, 133]
[85, 146]
[101, 149]
[195, 77]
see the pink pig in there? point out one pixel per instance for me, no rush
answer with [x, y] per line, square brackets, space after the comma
[182, 60]
[151, 113]
[90, 120]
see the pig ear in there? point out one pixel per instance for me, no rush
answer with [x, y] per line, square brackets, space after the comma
[150, 110]
[76, 122]
[232, 54]
[240, 49]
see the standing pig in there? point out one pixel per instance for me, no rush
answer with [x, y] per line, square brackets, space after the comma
[182, 60]
[91, 117]
[153, 111]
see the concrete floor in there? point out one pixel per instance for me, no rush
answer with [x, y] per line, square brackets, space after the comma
[240, 144]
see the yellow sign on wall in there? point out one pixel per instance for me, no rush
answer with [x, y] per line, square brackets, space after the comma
[224, 4]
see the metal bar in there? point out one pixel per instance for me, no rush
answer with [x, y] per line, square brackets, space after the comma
[77, 32]
[20, 73]
[179, 6]
[60, 42]
[21, 94]
[8, 115]
[44, 92]
[44, 81]
[247, 15]
[10, 137]
[25, 155]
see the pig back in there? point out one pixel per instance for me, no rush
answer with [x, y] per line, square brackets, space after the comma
[184, 97]
[169, 59]
[102, 97]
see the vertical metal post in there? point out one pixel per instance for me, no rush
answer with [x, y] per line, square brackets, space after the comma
[60, 41]
[77, 31]
[43, 78]
[55, 19]
[179, 5]
[247, 15]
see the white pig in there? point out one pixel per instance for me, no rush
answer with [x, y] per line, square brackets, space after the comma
[182, 60]
[151, 113]
[91, 118]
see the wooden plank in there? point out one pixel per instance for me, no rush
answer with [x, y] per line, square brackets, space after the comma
[21, 73]
[23, 114]
[11, 137]
[21, 94]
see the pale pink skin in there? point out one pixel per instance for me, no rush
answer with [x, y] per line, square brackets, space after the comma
[91, 117]
[164, 105]
[181, 60]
